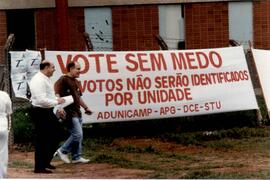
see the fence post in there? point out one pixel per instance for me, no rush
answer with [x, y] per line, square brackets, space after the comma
[7, 86]
[260, 119]
[88, 41]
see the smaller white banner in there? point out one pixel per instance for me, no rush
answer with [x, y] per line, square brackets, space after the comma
[33, 59]
[262, 62]
[24, 65]
[18, 62]
[19, 84]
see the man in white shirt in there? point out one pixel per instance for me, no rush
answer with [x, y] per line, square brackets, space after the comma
[46, 123]
[5, 112]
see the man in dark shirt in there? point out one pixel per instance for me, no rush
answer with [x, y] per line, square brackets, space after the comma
[69, 85]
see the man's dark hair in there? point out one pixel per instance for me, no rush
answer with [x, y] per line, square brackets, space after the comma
[43, 65]
[70, 65]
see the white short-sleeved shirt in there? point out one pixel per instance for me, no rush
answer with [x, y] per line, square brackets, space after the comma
[5, 110]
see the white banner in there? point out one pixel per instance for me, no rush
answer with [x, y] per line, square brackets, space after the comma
[24, 65]
[262, 62]
[137, 85]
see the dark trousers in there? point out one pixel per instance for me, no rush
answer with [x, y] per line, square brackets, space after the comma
[47, 129]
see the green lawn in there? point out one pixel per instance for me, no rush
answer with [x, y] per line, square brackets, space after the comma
[232, 153]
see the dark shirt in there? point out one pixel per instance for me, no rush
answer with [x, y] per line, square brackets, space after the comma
[66, 86]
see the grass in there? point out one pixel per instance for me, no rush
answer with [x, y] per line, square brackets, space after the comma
[217, 146]
[218, 154]
[20, 164]
[230, 153]
[226, 157]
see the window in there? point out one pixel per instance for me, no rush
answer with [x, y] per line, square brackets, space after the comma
[98, 24]
[240, 22]
[171, 26]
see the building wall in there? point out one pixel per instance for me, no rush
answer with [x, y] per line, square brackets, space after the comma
[83, 3]
[34, 4]
[3, 35]
[46, 29]
[135, 27]
[206, 25]
[76, 29]
[261, 24]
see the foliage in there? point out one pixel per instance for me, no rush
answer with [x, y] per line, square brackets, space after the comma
[22, 126]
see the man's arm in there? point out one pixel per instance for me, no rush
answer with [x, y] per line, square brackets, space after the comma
[85, 107]
[61, 111]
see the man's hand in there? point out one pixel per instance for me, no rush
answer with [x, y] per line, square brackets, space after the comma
[88, 111]
[61, 113]
[60, 100]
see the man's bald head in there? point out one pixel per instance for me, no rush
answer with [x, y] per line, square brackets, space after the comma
[47, 68]
[44, 64]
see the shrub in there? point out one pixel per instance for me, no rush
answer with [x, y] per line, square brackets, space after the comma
[23, 130]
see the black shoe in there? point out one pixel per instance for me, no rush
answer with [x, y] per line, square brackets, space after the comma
[45, 171]
[50, 167]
